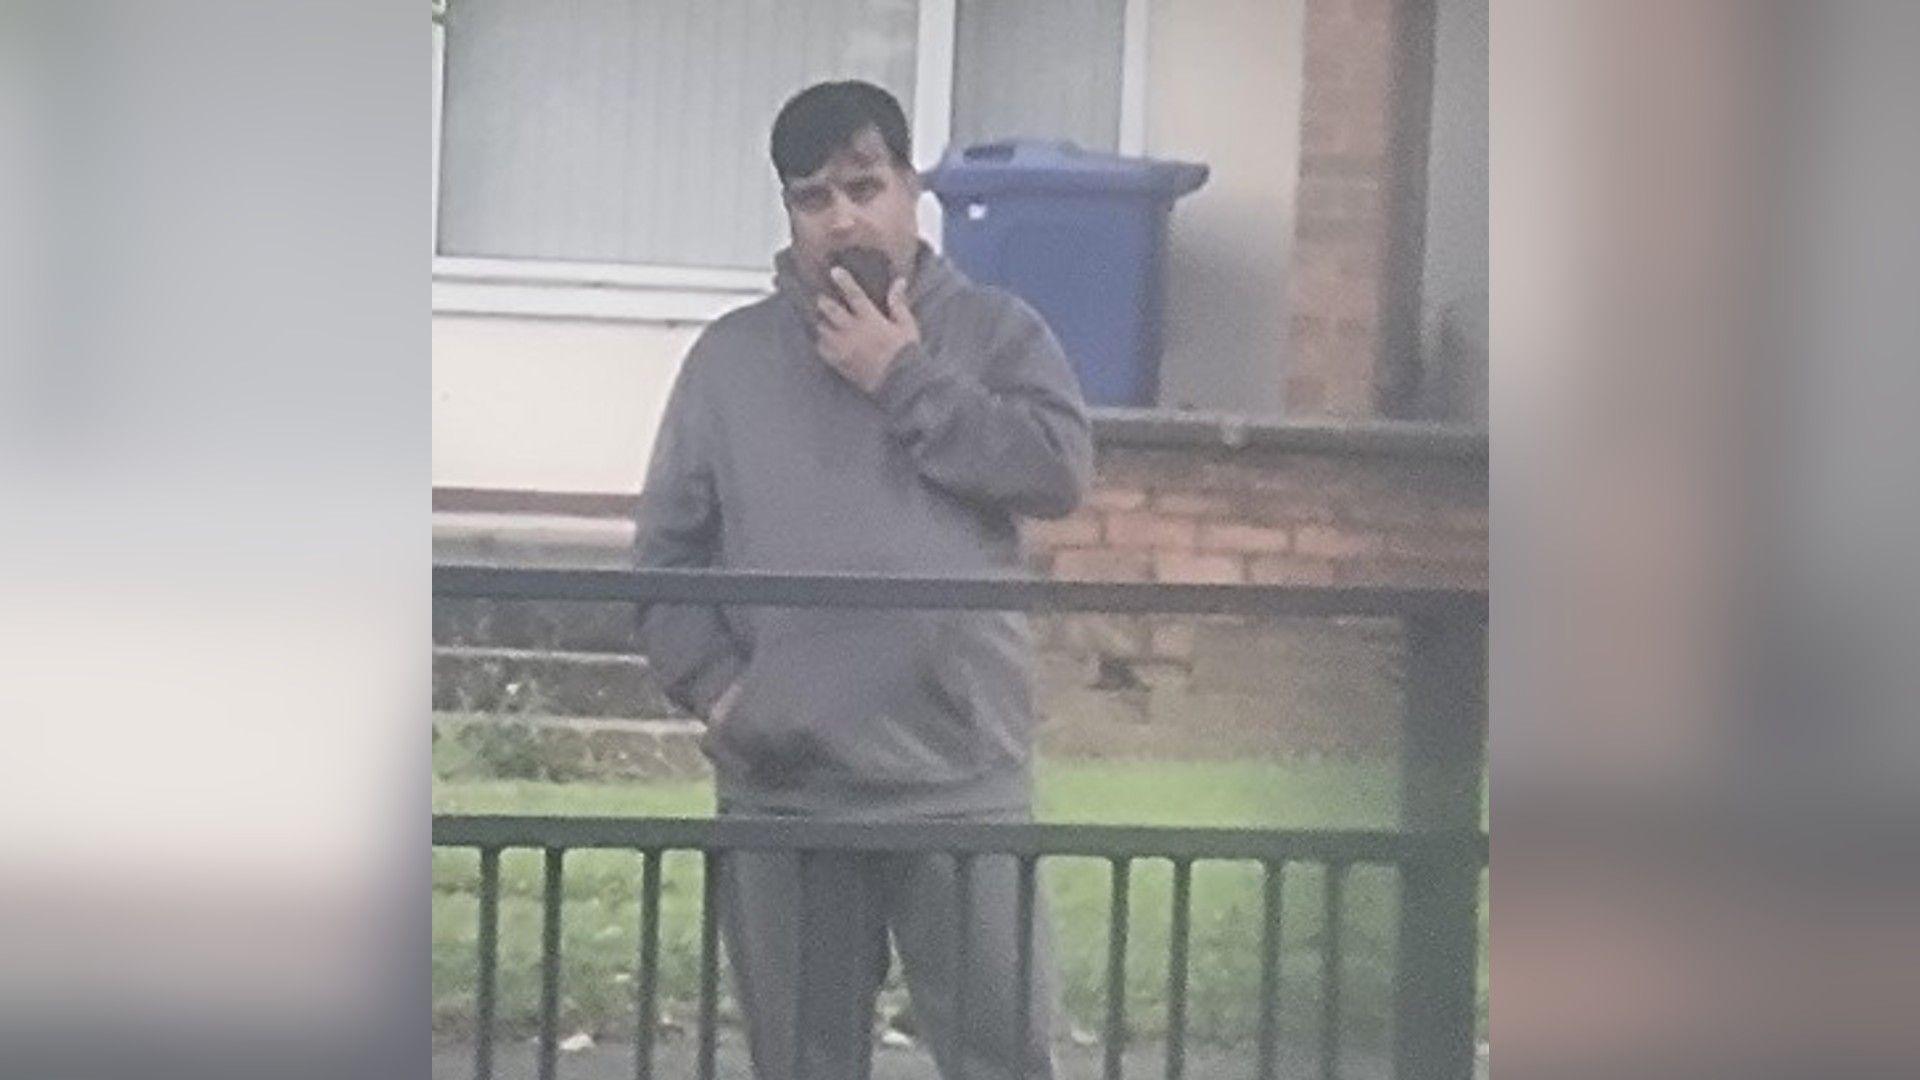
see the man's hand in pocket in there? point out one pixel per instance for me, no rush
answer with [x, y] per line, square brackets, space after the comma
[723, 705]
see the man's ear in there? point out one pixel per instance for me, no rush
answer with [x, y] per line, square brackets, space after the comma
[910, 176]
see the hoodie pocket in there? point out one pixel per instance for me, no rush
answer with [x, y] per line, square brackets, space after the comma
[864, 696]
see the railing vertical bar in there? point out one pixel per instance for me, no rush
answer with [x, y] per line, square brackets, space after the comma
[1117, 968]
[648, 1014]
[489, 962]
[963, 933]
[710, 960]
[1443, 745]
[1330, 975]
[1270, 940]
[802, 910]
[1177, 969]
[1023, 954]
[550, 967]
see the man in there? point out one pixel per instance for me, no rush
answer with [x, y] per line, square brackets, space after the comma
[821, 431]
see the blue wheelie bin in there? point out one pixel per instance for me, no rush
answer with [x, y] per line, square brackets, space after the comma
[1080, 236]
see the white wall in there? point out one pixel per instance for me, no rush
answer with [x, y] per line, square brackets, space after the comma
[549, 404]
[1224, 88]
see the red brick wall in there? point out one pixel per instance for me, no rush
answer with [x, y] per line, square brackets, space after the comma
[1267, 516]
[1224, 686]
[1341, 213]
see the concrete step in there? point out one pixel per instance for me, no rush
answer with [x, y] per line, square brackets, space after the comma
[492, 679]
[537, 624]
[574, 748]
[532, 539]
[527, 541]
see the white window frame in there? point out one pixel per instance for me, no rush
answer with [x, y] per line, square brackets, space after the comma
[552, 288]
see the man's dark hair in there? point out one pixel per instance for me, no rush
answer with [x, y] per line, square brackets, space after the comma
[826, 116]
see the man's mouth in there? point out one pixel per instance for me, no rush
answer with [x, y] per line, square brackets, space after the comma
[870, 267]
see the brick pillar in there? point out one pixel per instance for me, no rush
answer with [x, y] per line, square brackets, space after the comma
[1345, 246]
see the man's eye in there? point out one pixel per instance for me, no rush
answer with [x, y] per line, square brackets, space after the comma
[863, 190]
[810, 200]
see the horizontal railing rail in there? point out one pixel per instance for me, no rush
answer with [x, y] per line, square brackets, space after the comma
[754, 589]
[952, 837]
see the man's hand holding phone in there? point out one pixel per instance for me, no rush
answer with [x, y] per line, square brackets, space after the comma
[858, 338]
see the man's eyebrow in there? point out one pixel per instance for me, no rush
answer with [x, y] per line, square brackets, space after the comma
[862, 174]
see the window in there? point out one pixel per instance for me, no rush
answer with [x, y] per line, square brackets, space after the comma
[608, 157]
[1048, 70]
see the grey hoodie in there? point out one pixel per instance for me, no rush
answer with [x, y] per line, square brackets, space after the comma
[769, 460]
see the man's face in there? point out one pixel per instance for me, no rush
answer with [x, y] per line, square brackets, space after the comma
[859, 197]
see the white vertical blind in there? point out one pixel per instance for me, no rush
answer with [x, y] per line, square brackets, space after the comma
[1038, 70]
[636, 130]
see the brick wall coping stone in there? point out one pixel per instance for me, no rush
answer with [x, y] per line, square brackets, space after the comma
[1169, 429]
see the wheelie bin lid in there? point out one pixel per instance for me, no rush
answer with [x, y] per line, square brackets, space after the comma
[1038, 166]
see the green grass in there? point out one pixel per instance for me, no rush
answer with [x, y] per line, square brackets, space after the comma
[601, 911]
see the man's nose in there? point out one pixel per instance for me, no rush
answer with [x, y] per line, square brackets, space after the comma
[840, 216]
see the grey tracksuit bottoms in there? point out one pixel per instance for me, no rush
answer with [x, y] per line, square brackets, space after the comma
[824, 921]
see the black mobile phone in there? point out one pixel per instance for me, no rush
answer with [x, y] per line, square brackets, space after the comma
[871, 269]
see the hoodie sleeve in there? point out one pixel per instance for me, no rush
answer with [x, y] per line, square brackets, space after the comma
[1016, 437]
[690, 649]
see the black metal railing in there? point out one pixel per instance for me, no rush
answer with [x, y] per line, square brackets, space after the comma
[1337, 852]
[1438, 854]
